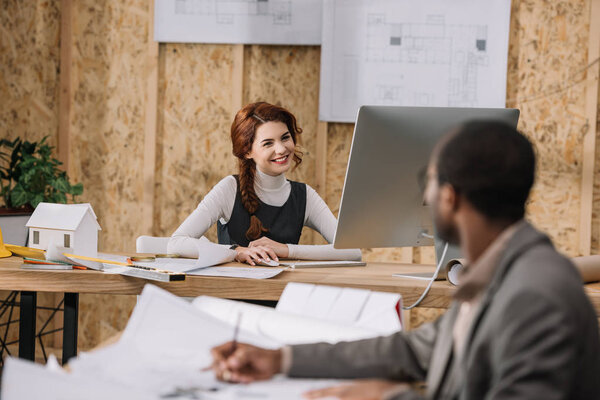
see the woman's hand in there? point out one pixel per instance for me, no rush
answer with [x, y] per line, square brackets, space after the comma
[255, 254]
[281, 249]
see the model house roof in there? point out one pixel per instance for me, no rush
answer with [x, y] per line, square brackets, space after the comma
[66, 217]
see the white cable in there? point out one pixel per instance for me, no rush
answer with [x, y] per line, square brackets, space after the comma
[433, 278]
[428, 236]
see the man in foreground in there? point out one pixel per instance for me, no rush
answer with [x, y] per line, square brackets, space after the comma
[520, 325]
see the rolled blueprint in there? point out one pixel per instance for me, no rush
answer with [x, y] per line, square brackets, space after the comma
[589, 267]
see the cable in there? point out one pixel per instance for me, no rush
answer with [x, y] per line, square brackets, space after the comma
[433, 278]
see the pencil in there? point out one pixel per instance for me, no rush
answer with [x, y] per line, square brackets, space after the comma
[236, 331]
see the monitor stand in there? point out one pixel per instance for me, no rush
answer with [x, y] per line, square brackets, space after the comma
[453, 252]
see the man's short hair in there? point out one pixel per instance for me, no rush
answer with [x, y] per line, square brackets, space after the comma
[492, 165]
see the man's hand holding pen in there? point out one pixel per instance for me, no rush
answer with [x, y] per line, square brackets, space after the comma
[244, 363]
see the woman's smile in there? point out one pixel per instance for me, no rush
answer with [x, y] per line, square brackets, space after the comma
[281, 160]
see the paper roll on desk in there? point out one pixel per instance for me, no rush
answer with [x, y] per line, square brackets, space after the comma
[453, 269]
[589, 267]
[450, 272]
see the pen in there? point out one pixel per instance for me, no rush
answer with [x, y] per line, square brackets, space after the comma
[236, 331]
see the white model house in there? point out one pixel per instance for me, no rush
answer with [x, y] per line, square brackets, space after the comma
[72, 226]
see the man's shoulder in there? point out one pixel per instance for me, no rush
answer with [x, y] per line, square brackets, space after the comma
[544, 273]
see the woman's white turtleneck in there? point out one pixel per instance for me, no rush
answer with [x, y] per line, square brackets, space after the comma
[274, 191]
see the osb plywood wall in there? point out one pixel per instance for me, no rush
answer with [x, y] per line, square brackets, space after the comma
[196, 92]
[545, 60]
[29, 61]
[195, 113]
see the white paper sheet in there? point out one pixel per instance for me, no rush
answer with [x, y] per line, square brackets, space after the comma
[238, 272]
[280, 327]
[25, 380]
[406, 53]
[238, 21]
[348, 306]
[159, 355]
[294, 297]
[321, 300]
[55, 253]
[209, 254]
[165, 345]
[380, 313]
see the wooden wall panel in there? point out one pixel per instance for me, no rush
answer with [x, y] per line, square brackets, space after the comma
[193, 128]
[289, 76]
[547, 50]
[596, 197]
[108, 107]
[29, 62]
[107, 136]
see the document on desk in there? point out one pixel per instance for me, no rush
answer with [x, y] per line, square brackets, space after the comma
[209, 254]
[18, 376]
[58, 385]
[164, 347]
[159, 355]
[238, 272]
[350, 314]
[166, 343]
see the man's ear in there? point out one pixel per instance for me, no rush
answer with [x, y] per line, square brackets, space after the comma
[448, 197]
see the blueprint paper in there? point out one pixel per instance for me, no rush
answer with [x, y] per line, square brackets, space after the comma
[238, 272]
[238, 21]
[25, 380]
[433, 53]
[165, 345]
[160, 354]
[280, 327]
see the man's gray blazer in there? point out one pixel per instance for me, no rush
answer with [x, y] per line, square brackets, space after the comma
[534, 336]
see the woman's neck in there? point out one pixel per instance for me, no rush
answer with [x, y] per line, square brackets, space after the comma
[269, 182]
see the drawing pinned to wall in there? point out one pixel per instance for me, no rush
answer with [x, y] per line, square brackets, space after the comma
[406, 53]
[239, 21]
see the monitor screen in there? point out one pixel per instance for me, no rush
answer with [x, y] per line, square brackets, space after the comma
[382, 200]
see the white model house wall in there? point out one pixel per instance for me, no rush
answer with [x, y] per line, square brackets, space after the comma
[82, 241]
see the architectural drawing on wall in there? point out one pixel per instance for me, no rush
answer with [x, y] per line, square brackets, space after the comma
[225, 11]
[386, 52]
[239, 21]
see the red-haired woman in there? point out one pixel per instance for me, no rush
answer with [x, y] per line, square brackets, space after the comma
[259, 212]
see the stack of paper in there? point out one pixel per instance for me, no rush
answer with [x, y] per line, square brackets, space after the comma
[167, 343]
[309, 313]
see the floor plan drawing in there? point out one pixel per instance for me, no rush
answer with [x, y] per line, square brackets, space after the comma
[239, 21]
[392, 53]
[225, 11]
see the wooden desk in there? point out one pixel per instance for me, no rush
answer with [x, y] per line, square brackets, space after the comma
[375, 276]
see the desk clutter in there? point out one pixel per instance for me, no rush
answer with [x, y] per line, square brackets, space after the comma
[166, 345]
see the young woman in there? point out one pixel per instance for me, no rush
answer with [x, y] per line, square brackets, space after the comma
[259, 212]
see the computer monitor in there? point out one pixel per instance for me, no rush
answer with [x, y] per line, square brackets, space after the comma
[382, 200]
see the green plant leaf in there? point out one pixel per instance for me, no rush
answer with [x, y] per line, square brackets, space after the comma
[61, 184]
[30, 174]
[59, 198]
[18, 196]
[37, 199]
[76, 190]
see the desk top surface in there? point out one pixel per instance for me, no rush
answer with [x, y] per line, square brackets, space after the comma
[374, 276]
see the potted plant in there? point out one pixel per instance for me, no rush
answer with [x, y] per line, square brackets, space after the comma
[29, 175]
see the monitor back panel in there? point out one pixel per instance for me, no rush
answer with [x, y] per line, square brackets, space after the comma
[382, 199]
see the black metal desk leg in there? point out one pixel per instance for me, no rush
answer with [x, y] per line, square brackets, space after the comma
[71, 314]
[27, 325]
